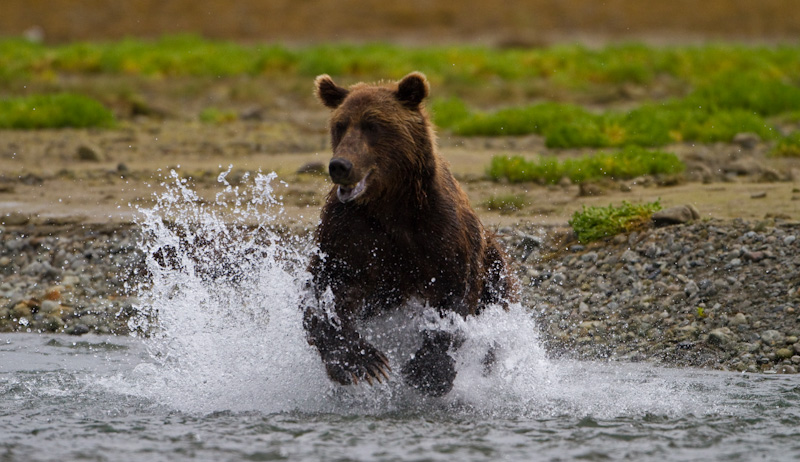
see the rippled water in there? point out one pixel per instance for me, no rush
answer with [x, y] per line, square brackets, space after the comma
[227, 375]
[85, 399]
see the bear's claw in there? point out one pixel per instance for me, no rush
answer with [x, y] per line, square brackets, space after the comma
[432, 370]
[351, 363]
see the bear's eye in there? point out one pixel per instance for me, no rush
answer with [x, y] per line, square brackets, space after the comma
[368, 126]
[339, 128]
[370, 130]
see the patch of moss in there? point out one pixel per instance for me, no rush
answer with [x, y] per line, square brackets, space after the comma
[594, 223]
[628, 163]
[212, 115]
[788, 146]
[506, 203]
[54, 111]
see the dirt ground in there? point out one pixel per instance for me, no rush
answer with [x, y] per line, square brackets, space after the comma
[102, 176]
[512, 22]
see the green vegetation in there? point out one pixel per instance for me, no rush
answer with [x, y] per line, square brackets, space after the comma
[506, 203]
[594, 223]
[212, 115]
[688, 93]
[571, 66]
[701, 312]
[715, 112]
[788, 146]
[53, 111]
[628, 163]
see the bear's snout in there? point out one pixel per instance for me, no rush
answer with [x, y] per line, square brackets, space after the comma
[339, 170]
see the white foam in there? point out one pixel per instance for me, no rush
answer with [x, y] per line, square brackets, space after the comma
[229, 336]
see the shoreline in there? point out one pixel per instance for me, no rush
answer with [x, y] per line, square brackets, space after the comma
[714, 293]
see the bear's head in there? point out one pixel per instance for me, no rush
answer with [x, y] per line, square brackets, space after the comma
[380, 134]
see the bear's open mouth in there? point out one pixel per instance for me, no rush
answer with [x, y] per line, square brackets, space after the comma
[346, 193]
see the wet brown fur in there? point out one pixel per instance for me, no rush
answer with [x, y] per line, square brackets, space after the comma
[411, 234]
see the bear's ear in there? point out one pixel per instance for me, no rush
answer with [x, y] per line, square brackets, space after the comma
[412, 90]
[328, 92]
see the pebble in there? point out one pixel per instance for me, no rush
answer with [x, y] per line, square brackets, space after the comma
[708, 293]
[88, 153]
[747, 140]
[53, 277]
[675, 215]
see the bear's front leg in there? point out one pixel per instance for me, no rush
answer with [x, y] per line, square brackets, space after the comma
[432, 370]
[347, 357]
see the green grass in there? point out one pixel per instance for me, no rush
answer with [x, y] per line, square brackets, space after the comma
[506, 203]
[569, 66]
[628, 163]
[731, 88]
[215, 116]
[53, 111]
[744, 91]
[710, 114]
[788, 146]
[594, 223]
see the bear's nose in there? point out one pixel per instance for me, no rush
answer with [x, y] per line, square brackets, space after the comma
[339, 169]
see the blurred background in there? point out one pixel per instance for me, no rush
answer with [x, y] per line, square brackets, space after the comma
[98, 97]
[508, 22]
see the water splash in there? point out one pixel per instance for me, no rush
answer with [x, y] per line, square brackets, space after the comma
[225, 329]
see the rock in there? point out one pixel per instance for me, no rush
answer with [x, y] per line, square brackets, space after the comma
[786, 369]
[784, 353]
[754, 256]
[253, 113]
[41, 269]
[559, 278]
[527, 244]
[54, 293]
[50, 307]
[313, 168]
[691, 289]
[53, 323]
[720, 336]
[747, 140]
[21, 310]
[15, 219]
[675, 215]
[78, 329]
[88, 153]
[31, 179]
[770, 175]
[738, 319]
[587, 189]
[629, 256]
[744, 166]
[772, 337]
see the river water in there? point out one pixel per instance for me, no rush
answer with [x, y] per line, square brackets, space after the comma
[96, 398]
[224, 373]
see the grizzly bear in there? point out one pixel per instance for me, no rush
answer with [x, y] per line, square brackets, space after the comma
[396, 226]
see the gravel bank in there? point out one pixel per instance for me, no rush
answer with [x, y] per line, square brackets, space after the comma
[710, 293]
[67, 278]
[719, 294]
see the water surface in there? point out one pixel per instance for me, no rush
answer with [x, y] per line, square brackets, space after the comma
[87, 399]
